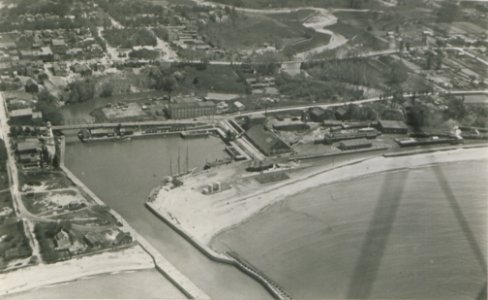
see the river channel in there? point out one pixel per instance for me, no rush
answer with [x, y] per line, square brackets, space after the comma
[123, 174]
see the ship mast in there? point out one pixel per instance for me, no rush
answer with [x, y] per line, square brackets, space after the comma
[179, 170]
[186, 162]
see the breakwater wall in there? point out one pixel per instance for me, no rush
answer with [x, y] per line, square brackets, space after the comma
[167, 269]
[432, 150]
[325, 155]
[276, 291]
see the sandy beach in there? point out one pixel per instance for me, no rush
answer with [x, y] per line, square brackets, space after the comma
[189, 209]
[21, 280]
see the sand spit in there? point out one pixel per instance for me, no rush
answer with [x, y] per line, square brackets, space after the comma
[191, 211]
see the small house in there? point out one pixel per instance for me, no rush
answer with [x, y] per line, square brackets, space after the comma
[62, 240]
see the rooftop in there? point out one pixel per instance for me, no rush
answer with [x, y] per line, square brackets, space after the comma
[392, 124]
[28, 145]
[24, 112]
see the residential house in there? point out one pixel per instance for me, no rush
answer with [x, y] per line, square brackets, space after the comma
[62, 240]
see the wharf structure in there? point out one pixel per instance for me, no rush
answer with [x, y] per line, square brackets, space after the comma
[189, 110]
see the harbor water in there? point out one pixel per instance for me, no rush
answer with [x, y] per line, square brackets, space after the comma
[123, 174]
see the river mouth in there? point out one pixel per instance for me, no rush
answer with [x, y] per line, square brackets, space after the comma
[388, 235]
[123, 174]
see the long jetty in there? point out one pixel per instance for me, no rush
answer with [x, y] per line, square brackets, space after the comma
[187, 287]
[276, 291]
[126, 124]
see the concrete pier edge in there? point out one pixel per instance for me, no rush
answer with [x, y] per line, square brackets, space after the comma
[187, 287]
[274, 290]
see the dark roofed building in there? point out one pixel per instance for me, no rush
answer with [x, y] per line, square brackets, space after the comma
[59, 46]
[23, 114]
[388, 126]
[266, 141]
[354, 144]
[318, 114]
[341, 113]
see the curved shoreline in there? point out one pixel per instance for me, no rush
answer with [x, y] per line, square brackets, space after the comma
[187, 217]
[35, 277]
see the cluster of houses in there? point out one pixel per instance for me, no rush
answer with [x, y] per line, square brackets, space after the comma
[67, 244]
[53, 45]
[22, 49]
[262, 85]
[23, 111]
[186, 37]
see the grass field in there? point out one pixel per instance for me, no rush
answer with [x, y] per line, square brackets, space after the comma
[213, 78]
[248, 32]
[48, 180]
[251, 31]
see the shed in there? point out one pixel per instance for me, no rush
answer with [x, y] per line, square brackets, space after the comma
[354, 144]
[389, 126]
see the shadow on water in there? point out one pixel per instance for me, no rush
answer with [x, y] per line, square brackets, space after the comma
[377, 236]
[380, 226]
[463, 223]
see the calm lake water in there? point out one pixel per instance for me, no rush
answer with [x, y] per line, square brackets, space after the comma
[418, 233]
[123, 174]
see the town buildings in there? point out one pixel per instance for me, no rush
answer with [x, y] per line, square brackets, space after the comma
[188, 110]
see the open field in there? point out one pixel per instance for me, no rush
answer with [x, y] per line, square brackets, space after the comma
[254, 32]
[215, 78]
[38, 203]
[43, 181]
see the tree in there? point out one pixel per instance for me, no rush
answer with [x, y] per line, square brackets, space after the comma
[439, 57]
[82, 90]
[107, 90]
[448, 11]
[46, 97]
[51, 113]
[397, 74]
[31, 86]
[456, 109]
[429, 62]
[356, 3]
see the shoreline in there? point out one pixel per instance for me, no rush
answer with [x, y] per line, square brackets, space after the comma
[30, 278]
[203, 242]
[186, 217]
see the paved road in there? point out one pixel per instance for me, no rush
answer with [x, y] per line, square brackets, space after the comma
[18, 204]
[363, 101]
